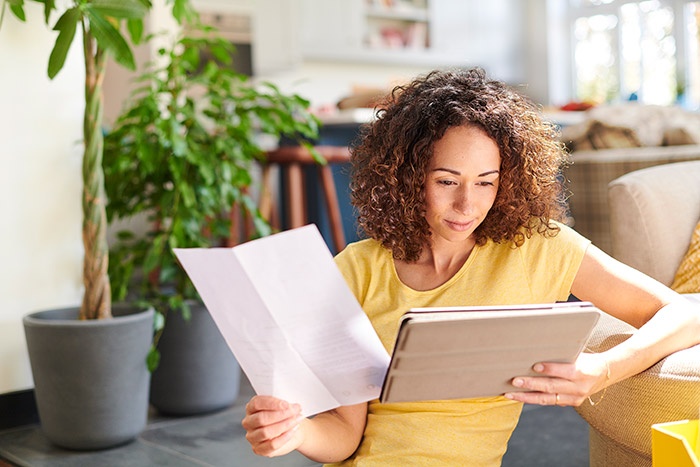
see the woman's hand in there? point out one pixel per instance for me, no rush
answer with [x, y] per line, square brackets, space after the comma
[272, 426]
[563, 383]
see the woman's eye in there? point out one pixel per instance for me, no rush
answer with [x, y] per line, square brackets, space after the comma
[447, 182]
[485, 183]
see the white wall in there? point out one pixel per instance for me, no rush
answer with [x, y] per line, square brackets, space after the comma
[40, 185]
[325, 83]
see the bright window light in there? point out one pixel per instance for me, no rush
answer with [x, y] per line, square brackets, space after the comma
[647, 51]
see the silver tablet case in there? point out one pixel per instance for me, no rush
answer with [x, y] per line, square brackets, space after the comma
[465, 352]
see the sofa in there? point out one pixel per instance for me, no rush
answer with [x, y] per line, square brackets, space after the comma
[653, 214]
[613, 140]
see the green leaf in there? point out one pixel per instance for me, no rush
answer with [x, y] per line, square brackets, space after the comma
[153, 358]
[182, 9]
[222, 52]
[186, 311]
[109, 38]
[135, 28]
[188, 196]
[125, 235]
[132, 9]
[66, 26]
[49, 7]
[158, 321]
[17, 8]
[190, 58]
[154, 255]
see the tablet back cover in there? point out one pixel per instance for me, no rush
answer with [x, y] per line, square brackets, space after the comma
[454, 353]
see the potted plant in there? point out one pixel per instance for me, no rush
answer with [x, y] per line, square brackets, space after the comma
[183, 153]
[78, 354]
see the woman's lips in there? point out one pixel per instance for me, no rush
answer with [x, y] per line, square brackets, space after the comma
[459, 226]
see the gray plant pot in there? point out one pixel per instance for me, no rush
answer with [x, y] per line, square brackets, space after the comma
[197, 371]
[90, 377]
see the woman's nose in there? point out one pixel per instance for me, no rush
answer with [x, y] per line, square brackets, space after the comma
[462, 201]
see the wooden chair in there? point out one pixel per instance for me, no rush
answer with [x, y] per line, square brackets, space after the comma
[291, 160]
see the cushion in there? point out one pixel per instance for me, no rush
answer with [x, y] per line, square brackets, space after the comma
[632, 124]
[653, 212]
[678, 136]
[604, 136]
[687, 278]
[595, 134]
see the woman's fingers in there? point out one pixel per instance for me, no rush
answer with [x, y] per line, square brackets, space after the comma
[545, 398]
[559, 383]
[270, 425]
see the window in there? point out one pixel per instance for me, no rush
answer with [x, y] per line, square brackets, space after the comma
[636, 50]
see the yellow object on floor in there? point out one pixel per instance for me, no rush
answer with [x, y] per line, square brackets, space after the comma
[675, 444]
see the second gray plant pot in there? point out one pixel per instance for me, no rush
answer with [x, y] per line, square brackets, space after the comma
[197, 371]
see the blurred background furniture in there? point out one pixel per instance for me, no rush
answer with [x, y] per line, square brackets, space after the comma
[293, 211]
[613, 140]
[592, 170]
[653, 213]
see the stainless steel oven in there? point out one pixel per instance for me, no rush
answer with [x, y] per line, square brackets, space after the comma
[236, 27]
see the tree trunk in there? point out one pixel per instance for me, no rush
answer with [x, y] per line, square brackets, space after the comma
[97, 295]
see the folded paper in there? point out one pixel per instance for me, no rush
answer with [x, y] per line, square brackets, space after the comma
[290, 319]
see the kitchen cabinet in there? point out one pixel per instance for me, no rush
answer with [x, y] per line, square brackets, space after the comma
[398, 32]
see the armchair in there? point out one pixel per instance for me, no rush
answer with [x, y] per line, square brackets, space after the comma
[653, 212]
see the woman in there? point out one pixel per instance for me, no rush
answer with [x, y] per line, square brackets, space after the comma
[456, 186]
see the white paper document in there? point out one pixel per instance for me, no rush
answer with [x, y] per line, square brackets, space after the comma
[290, 319]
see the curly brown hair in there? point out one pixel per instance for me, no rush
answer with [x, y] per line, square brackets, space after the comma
[391, 158]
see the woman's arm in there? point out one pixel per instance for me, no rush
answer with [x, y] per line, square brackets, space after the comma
[275, 427]
[666, 323]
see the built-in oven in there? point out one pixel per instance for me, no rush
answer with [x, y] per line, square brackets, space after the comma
[236, 28]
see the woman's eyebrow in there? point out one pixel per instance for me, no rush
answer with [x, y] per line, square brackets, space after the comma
[443, 169]
[456, 172]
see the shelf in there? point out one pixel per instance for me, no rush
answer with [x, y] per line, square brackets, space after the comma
[401, 14]
[390, 57]
[386, 32]
[399, 27]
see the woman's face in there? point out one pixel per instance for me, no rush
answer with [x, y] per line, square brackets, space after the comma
[461, 183]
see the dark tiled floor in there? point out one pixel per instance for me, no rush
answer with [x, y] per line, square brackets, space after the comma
[545, 436]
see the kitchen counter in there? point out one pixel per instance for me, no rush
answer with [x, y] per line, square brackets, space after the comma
[359, 116]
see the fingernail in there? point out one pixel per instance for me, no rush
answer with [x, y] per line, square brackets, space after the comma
[508, 395]
[517, 382]
[539, 368]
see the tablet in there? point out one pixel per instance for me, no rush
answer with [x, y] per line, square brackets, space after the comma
[465, 352]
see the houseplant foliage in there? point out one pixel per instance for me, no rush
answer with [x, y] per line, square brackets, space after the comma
[101, 23]
[183, 152]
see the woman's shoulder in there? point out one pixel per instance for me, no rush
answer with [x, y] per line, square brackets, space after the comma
[537, 236]
[557, 239]
[367, 249]
[362, 260]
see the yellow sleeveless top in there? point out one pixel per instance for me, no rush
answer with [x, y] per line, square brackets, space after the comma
[466, 432]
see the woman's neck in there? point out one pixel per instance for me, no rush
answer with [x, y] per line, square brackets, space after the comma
[437, 264]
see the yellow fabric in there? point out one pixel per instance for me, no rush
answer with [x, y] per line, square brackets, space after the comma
[687, 278]
[470, 432]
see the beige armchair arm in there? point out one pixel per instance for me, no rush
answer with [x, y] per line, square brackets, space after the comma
[621, 422]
